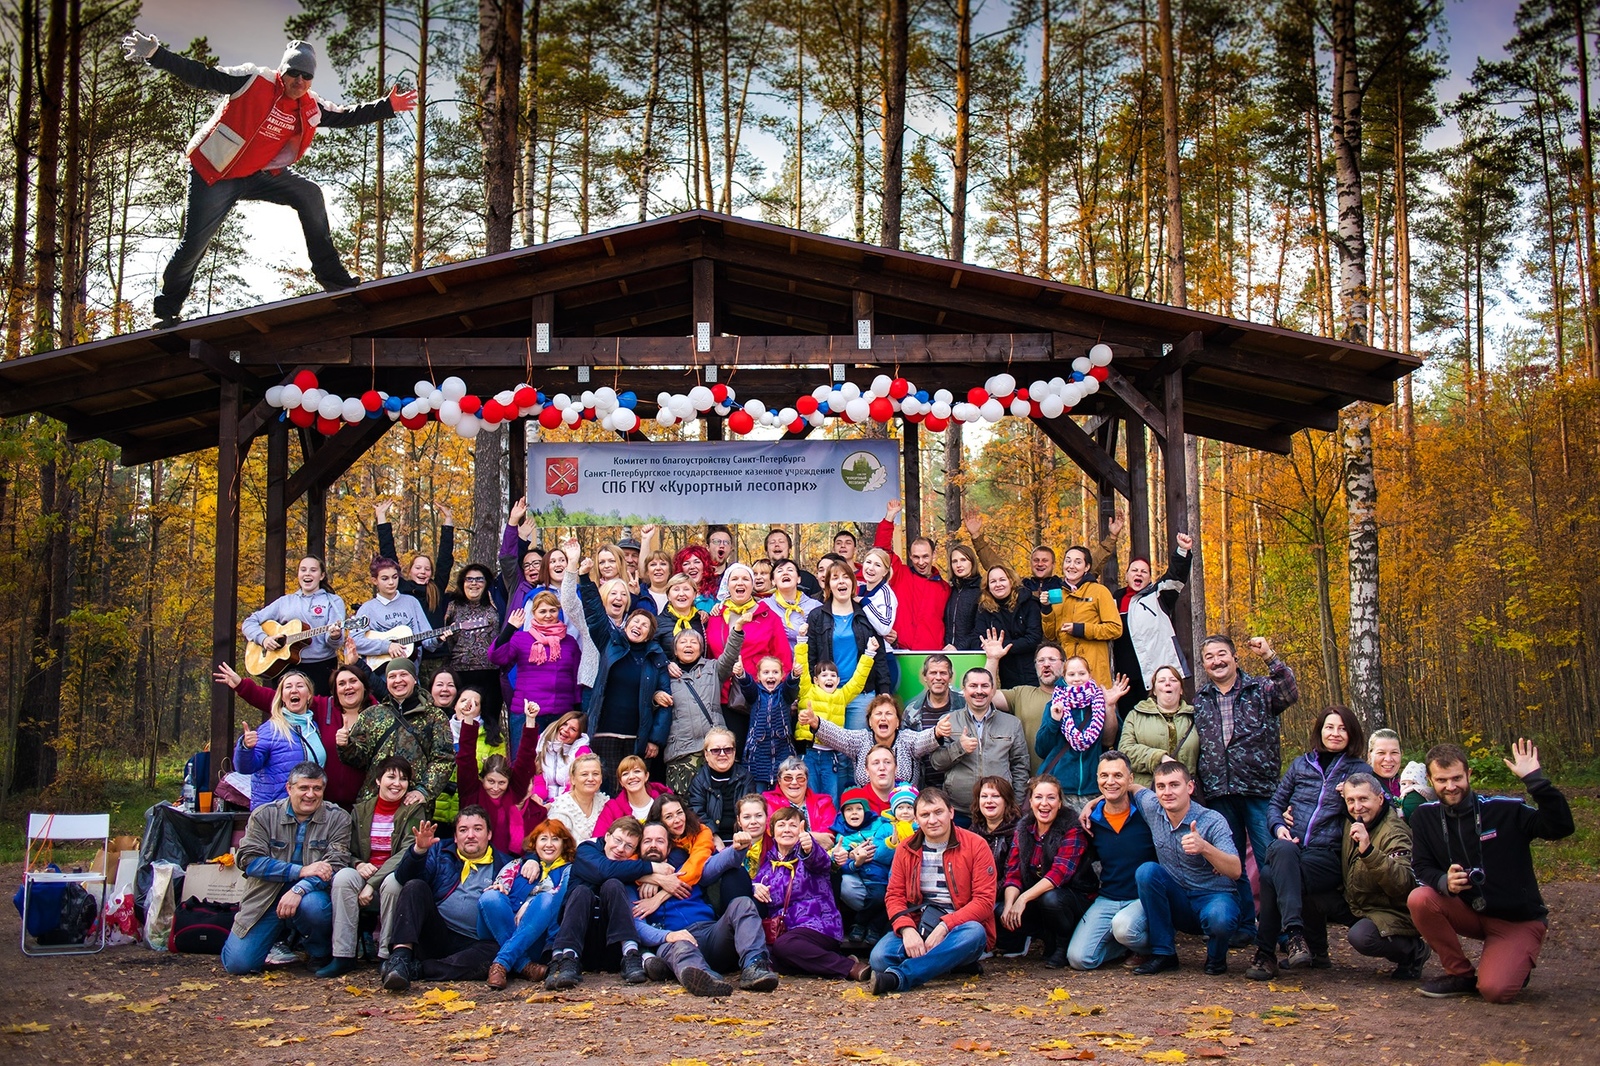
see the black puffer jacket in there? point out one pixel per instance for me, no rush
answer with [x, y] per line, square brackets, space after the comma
[961, 613]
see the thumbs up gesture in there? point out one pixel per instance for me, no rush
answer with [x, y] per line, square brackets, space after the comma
[1193, 842]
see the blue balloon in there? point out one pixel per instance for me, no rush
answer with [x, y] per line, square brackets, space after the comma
[922, 396]
[541, 396]
[1076, 376]
[374, 414]
[628, 400]
[393, 403]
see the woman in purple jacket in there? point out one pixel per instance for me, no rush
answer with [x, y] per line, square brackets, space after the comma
[541, 662]
[287, 738]
[793, 882]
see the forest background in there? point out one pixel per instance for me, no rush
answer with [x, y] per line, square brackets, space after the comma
[1300, 154]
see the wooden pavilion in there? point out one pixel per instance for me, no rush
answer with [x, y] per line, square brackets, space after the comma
[684, 300]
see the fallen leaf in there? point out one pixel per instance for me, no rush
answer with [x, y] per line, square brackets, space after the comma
[739, 1021]
[482, 1032]
[1207, 1034]
[1323, 1007]
[1054, 1045]
[972, 1045]
[688, 1017]
[27, 1027]
[688, 1062]
[349, 1030]
[198, 986]
[576, 1010]
[651, 1002]
[543, 997]
[1081, 1055]
[1057, 995]
[459, 1005]
[145, 1006]
[472, 1056]
[855, 992]
[437, 995]
[1211, 1053]
[1235, 1041]
[357, 990]
[861, 1053]
[291, 1008]
[105, 997]
[251, 1023]
[1273, 986]
[1278, 1021]
[279, 1041]
[1166, 1056]
[1125, 1044]
[1214, 1015]
[928, 1019]
[1023, 1011]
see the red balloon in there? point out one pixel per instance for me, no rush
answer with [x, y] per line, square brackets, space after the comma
[806, 405]
[1100, 373]
[550, 418]
[741, 422]
[912, 418]
[588, 414]
[1021, 394]
[371, 401]
[301, 417]
[977, 397]
[936, 424]
[329, 426]
[525, 396]
[492, 412]
[415, 421]
[799, 425]
[305, 380]
[881, 409]
[470, 404]
[719, 393]
[899, 388]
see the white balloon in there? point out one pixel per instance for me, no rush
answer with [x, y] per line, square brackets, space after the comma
[450, 413]
[487, 427]
[786, 416]
[1051, 406]
[1082, 364]
[755, 408]
[859, 409]
[836, 400]
[701, 397]
[1058, 385]
[991, 410]
[469, 426]
[453, 388]
[1021, 408]
[820, 393]
[1091, 385]
[732, 396]
[723, 409]
[816, 418]
[1073, 394]
[562, 401]
[940, 409]
[663, 399]
[1100, 355]
[423, 389]
[394, 416]
[409, 410]
[435, 398]
[587, 399]
[1001, 385]
[1038, 390]
[964, 412]
[849, 390]
[944, 396]
[665, 418]
[505, 397]
[605, 394]
[909, 406]
[310, 399]
[571, 415]
[354, 410]
[331, 406]
[880, 385]
[275, 396]
[289, 398]
[625, 420]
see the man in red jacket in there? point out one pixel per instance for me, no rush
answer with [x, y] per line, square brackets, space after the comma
[919, 588]
[940, 900]
[245, 150]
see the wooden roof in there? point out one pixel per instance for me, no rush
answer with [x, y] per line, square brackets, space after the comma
[624, 302]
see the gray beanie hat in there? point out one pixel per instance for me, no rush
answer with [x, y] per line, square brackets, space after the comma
[299, 56]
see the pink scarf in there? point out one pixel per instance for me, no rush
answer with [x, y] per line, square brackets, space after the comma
[546, 642]
[1085, 695]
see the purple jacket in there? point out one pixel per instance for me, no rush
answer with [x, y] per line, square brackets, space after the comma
[552, 685]
[268, 763]
[811, 906]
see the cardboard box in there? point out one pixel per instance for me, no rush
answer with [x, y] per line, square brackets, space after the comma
[107, 860]
[213, 883]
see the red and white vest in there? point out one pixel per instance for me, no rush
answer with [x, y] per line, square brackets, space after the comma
[233, 143]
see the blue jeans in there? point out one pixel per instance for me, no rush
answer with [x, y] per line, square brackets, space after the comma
[314, 921]
[855, 714]
[962, 946]
[208, 208]
[830, 771]
[519, 944]
[857, 893]
[1109, 929]
[1247, 817]
[1170, 908]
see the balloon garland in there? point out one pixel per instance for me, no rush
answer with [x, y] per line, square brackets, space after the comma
[306, 404]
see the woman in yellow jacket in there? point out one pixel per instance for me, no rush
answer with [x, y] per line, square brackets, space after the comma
[1085, 620]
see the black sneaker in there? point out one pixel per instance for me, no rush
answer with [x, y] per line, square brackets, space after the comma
[1450, 984]
[700, 982]
[397, 978]
[656, 968]
[884, 982]
[166, 321]
[1157, 964]
[565, 973]
[1298, 954]
[1264, 967]
[758, 975]
[1216, 967]
[633, 968]
[340, 284]
[1412, 969]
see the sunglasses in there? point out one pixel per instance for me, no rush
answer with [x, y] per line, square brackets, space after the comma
[295, 72]
[719, 751]
[472, 580]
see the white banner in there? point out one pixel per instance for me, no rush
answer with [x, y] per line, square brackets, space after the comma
[690, 484]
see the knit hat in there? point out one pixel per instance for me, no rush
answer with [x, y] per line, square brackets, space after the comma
[903, 793]
[855, 795]
[402, 665]
[299, 56]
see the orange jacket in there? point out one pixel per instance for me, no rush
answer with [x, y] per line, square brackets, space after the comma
[968, 870]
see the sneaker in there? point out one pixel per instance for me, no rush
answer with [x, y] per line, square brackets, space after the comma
[281, 955]
[1450, 984]
[758, 975]
[398, 976]
[884, 982]
[633, 968]
[860, 971]
[1299, 956]
[1133, 960]
[336, 967]
[534, 971]
[699, 982]
[565, 973]
[166, 321]
[656, 968]
[1027, 946]
[498, 977]
[1412, 970]
[1264, 967]
[1157, 964]
[349, 281]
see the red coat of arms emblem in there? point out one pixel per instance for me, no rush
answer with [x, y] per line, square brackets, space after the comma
[561, 476]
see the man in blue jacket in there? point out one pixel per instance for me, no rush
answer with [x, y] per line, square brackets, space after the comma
[1114, 924]
[597, 917]
[437, 933]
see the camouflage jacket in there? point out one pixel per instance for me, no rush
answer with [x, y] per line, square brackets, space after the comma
[1250, 763]
[417, 731]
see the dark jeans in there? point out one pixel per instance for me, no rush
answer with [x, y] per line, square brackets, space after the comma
[1364, 935]
[1289, 875]
[595, 922]
[1054, 916]
[445, 954]
[725, 944]
[208, 208]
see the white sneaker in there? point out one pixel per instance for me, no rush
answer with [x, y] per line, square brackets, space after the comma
[1027, 945]
[280, 955]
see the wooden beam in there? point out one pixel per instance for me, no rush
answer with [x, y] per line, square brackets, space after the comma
[1137, 402]
[220, 366]
[1106, 503]
[1260, 439]
[911, 498]
[703, 302]
[338, 454]
[1139, 498]
[1349, 385]
[161, 412]
[225, 569]
[104, 381]
[1282, 412]
[135, 452]
[517, 457]
[1177, 490]
[275, 561]
[1085, 451]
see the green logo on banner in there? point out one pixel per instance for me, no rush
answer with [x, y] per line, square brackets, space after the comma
[863, 472]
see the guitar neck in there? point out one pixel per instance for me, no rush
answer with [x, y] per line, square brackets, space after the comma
[441, 631]
[305, 635]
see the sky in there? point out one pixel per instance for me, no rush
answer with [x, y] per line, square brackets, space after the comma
[252, 31]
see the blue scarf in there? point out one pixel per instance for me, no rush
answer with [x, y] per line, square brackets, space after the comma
[302, 726]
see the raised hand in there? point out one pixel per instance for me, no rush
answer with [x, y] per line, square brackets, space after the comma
[994, 644]
[737, 625]
[423, 836]
[227, 675]
[530, 712]
[402, 99]
[342, 738]
[1120, 686]
[807, 717]
[251, 737]
[974, 523]
[892, 509]
[1118, 520]
[1260, 646]
[1184, 541]
[518, 510]
[1524, 758]
[969, 740]
[571, 548]
[586, 566]
[647, 531]
[943, 729]
[872, 646]
[516, 618]
[140, 46]
[380, 511]
[447, 517]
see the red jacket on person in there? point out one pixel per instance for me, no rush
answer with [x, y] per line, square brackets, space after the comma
[968, 870]
[231, 144]
[920, 625]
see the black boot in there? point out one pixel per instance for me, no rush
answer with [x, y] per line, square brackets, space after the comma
[758, 975]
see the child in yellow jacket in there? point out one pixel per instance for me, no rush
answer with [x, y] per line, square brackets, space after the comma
[823, 693]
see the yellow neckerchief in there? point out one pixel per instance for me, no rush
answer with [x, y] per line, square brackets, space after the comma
[468, 865]
[546, 871]
[684, 621]
[749, 606]
[789, 608]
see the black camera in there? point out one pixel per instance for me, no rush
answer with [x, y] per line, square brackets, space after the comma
[1476, 877]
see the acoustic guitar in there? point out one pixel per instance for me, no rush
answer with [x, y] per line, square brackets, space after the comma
[262, 662]
[403, 636]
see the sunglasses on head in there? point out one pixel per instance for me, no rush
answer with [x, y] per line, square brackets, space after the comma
[296, 72]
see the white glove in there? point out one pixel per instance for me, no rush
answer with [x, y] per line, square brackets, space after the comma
[140, 45]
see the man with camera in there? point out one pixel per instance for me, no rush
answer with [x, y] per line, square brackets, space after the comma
[1475, 872]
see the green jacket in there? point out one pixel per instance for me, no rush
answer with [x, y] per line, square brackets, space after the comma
[1148, 736]
[419, 733]
[405, 820]
[1377, 882]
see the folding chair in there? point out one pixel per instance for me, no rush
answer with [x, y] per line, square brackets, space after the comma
[46, 830]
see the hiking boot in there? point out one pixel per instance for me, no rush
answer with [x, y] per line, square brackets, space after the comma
[1157, 964]
[336, 967]
[498, 977]
[758, 975]
[349, 281]
[699, 982]
[1450, 984]
[1411, 970]
[884, 982]
[656, 968]
[402, 964]
[1298, 954]
[1264, 967]
[565, 973]
[633, 968]
[534, 971]
[1133, 960]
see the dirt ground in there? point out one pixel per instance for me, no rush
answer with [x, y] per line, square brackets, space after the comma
[131, 1005]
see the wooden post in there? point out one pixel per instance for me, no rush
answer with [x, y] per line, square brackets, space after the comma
[225, 573]
[911, 460]
[1139, 497]
[1106, 504]
[517, 482]
[317, 520]
[274, 564]
[1177, 486]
